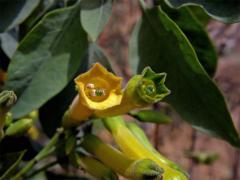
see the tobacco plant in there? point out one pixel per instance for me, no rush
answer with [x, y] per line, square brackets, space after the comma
[57, 82]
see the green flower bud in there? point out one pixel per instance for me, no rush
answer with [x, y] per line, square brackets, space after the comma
[8, 119]
[144, 169]
[202, 157]
[151, 116]
[151, 87]
[19, 127]
[141, 136]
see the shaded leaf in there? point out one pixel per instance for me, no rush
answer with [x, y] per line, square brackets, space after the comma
[163, 46]
[197, 35]
[8, 43]
[14, 12]
[46, 60]
[200, 14]
[97, 54]
[51, 113]
[227, 11]
[94, 16]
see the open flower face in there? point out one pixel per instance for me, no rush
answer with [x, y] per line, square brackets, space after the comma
[151, 87]
[99, 89]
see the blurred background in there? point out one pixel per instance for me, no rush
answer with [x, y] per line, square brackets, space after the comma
[202, 156]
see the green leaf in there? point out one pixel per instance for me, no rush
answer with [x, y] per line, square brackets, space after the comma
[97, 54]
[151, 116]
[9, 163]
[8, 43]
[46, 60]
[200, 14]
[94, 16]
[163, 46]
[197, 35]
[15, 12]
[227, 11]
[51, 113]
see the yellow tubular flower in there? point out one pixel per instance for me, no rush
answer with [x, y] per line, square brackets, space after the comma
[98, 90]
[139, 169]
[133, 148]
[141, 91]
[96, 168]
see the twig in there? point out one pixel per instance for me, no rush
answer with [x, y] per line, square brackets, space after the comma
[156, 129]
[47, 150]
[236, 162]
[156, 136]
[191, 149]
[44, 168]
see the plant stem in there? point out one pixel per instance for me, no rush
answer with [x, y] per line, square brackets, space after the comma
[236, 162]
[47, 150]
[156, 136]
[45, 167]
[156, 107]
[191, 149]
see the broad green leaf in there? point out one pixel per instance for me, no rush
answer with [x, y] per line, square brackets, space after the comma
[227, 11]
[9, 163]
[200, 14]
[94, 16]
[97, 54]
[14, 12]
[46, 60]
[197, 35]
[51, 113]
[163, 46]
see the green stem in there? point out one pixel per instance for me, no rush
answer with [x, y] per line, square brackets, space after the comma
[44, 168]
[142, 4]
[47, 150]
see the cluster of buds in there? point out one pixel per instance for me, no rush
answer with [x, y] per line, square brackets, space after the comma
[100, 96]
[10, 127]
[135, 159]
